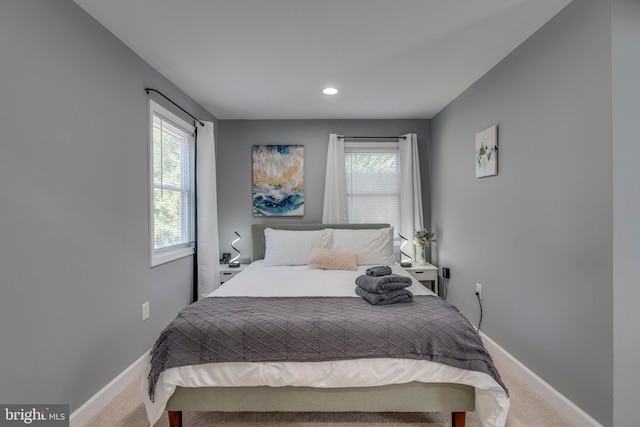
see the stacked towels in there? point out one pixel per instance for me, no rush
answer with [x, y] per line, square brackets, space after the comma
[380, 287]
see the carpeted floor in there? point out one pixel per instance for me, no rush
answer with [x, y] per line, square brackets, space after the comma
[527, 410]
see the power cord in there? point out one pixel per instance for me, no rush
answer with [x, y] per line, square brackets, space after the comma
[480, 303]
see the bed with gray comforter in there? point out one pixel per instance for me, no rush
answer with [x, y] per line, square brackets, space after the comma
[268, 329]
[247, 329]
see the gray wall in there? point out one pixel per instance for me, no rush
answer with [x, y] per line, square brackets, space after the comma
[538, 236]
[626, 208]
[74, 259]
[233, 157]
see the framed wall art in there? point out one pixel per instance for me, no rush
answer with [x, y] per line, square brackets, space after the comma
[278, 180]
[487, 152]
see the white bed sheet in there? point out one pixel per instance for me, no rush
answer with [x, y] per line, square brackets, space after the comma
[492, 403]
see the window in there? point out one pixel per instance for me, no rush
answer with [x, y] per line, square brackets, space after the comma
[172, 204]
[373, 182]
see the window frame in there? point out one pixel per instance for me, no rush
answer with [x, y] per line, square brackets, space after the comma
[171, 253]
[379, 147]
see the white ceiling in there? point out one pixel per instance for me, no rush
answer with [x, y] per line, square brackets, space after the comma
[270, 59]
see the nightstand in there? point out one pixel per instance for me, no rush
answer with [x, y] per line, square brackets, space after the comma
[425, 273]
[227, 272]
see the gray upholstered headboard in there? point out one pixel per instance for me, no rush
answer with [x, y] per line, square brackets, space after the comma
[257, 233]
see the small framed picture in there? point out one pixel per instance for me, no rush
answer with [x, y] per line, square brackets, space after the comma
[487, 152]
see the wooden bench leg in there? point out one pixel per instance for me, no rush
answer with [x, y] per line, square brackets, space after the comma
[175, 418]
[458, 419]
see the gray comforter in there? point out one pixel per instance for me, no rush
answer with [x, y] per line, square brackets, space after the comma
[252, 329]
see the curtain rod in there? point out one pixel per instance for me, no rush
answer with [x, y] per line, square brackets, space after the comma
[148, 89]
[371, 137]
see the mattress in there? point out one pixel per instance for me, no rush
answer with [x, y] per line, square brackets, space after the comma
[255, 280]
[301, 281]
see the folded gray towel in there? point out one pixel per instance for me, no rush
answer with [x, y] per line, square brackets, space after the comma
[378, 270]
[382, 284]
[402, 295]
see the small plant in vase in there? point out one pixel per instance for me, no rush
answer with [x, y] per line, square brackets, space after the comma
[424, 238]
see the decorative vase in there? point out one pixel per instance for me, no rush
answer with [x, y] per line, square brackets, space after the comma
[423, 255]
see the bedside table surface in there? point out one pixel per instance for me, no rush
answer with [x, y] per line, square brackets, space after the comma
[226, 268]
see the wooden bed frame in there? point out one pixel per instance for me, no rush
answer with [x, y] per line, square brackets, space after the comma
[411, 397]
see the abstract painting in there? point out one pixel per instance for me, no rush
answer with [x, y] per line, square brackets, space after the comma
[487, 152]
[278, 180]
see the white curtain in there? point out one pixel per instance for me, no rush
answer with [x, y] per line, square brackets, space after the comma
[410, 191]
[335, 210]
[207, 242]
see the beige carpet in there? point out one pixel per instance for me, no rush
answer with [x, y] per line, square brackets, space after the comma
[527, 410]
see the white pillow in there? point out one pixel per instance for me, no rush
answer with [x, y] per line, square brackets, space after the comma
[372, 246]
[293, 247]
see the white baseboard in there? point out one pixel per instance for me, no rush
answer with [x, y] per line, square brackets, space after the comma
[102, 398]
[559, 402]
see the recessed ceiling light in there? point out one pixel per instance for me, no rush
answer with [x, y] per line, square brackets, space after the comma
[330, 91]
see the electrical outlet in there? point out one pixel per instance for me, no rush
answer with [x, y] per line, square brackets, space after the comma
[446, 272]
[145, 311]
[479, 290]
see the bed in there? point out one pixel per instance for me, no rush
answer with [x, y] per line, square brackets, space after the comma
[279, 274]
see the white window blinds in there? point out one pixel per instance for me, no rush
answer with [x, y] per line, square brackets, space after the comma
[373, 182]
[173, 157]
